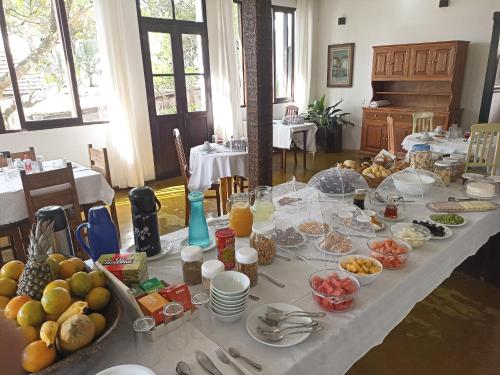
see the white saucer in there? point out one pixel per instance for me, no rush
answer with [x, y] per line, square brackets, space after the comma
[212, 245]
[380, 215]
[127, 370]
[166, 247]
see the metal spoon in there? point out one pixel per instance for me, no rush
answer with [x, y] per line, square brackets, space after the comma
[233, 352]
[275, 330]
[281, 336]
[453, 199]
[182, 368]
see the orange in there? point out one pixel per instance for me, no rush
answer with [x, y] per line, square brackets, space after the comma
[8, 287]
[29, 334]
[56, 300]
[31, 314]
[98, 298]
[67, 268]
[12, 269]
[99, 322]
[98, 278]
[57, 257]
[14, 306]
[3, 302]
[37, 356]
[80, 264]
[56, 284]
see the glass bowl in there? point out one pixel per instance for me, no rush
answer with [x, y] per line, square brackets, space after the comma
[393, 253]
[333, 290]
[419, 237]
[364, 279]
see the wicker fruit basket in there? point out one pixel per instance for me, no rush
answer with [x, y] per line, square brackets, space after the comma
[374, 182]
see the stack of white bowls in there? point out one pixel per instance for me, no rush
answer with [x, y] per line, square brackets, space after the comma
[229, 295]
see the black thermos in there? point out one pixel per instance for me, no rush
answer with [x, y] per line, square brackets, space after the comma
[145, 207]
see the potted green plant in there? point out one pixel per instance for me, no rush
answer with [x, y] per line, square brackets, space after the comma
[330, 121]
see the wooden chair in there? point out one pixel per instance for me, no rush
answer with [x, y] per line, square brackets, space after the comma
[18, 155]
[391, 138]
[99, 162]
[422, 122]
[484, 140]
[291, 110]
[183, 165]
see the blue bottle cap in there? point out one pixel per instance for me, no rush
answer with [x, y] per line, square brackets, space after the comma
[421, 147]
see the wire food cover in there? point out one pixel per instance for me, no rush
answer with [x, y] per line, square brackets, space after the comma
[410, 182]
[286, 197]
[337, 182]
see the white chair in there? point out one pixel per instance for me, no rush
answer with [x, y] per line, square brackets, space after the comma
[483, 147]
[422, 122]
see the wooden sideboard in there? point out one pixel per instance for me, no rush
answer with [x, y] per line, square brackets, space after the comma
[414, 78]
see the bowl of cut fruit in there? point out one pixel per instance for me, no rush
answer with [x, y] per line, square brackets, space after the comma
[391, 252]
[364, 268]
[333, 290]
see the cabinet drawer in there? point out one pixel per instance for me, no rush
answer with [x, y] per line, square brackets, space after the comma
[402, 117]
[381, 116]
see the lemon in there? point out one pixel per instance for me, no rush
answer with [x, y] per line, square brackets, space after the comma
[98, 278]
[56, 284]
[99, 322]
[67, 269]
[98, 298]
[8, 287]
[12, 269]
[80, 264]
[80, 284]
[31, 314]
[56, 300]
[57, 257]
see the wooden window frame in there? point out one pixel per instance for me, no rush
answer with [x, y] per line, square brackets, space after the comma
[77, 120]
[286, 10]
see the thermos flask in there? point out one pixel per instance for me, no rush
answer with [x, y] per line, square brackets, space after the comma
[145, 207]
[61, 240]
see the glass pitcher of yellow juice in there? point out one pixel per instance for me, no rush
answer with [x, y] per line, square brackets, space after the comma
[263, 206]
[240, 214]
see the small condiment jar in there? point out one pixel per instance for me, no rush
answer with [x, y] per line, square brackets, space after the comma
[455, 168]
[226, 247]
[359, 198]
[246, 262]
[191, 259]
[391, 208]
[209, 270]
[443, 170]
[262, 240]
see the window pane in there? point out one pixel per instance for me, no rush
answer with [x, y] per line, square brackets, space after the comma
[7, 101]
[165, 99]
[280, 55]
[160, 47]
[193, 53]
[88, 63]
[289, 55]
[157, 9]
[188, 10]
[38, 54]
[239, 49]
[195, 91]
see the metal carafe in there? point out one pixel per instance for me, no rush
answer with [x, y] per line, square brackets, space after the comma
[61, 240]
[145, 207]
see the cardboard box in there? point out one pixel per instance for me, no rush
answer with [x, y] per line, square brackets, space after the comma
[129, 268]
[178, 293]
[152, 285]
[152, 305]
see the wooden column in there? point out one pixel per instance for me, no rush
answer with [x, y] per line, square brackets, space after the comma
[257, 46]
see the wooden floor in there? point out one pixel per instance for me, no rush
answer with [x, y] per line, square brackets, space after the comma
[455, 330]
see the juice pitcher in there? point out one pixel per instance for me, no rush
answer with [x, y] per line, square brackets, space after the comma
[240, 214]
[263, 206]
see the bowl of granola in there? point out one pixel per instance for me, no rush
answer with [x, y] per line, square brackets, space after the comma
[334, 243]
[313, 228]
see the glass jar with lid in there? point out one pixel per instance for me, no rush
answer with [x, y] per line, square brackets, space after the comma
[209, 270]
[455, 168]
[246, 262]
[421, 157]
[460, 158]
[442, 169]
[191, 259]
[262, 240]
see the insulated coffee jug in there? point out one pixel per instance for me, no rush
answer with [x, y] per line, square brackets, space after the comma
[145, 207]
[61, 240]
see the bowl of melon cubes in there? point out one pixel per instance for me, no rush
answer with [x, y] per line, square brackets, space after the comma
[393, 253]
[364, 268]
[333, 290]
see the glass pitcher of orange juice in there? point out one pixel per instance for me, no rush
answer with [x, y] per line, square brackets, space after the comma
[240, 214]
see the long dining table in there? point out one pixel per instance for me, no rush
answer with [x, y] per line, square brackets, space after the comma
[347, 336]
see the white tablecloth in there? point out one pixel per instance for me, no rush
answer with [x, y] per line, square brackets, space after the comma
[90, 186]
[208, 167]
[347, 336]
[445, 146]
[284, 134]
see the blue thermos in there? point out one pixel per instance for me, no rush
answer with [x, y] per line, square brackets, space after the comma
[101, 232]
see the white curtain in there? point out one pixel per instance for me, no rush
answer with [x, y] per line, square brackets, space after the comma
[224, 70]
[129, 137]
[304, 33]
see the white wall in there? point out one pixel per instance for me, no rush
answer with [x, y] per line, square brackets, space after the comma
[379, 22]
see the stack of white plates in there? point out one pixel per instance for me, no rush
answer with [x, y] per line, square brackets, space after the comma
[229, 295]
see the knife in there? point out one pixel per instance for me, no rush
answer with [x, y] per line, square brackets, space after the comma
[207, 363]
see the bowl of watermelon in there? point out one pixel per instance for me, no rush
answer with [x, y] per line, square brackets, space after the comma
[333, 290]
[391, 252]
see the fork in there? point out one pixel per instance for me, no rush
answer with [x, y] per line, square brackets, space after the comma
[314, 323]
[281, 336]
[225, 359]
[274, 310]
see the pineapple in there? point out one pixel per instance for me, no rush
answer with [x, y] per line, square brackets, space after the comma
[37, 271]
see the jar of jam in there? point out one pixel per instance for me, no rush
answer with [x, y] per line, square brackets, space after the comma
[226, 246]
[246, 262]
[209, 270]
[421, 157]
[191, 259]
[359, 198]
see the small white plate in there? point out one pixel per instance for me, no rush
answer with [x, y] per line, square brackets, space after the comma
[313, 235]
[332, 253]
[447, 225]
[212, 245]
[473, 176]
[127, 370]
[253, 322]
[380, 215]
[447, 231]
[166, 247]
[304, 239]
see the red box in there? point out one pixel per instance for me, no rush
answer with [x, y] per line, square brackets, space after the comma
[178, 293]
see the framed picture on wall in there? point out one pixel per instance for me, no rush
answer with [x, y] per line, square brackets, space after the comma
[340, 63]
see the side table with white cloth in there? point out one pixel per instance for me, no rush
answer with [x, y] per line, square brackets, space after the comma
[220, 163]
[442, 145]
[302, 135]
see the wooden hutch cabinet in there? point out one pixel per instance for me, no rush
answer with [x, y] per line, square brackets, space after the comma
[414, 78]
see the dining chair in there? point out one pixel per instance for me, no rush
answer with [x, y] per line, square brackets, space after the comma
[291, 110]
[422, 122]
[99, 162]
[30, 153]
[183, 165]
[12, 233]
[483, 148]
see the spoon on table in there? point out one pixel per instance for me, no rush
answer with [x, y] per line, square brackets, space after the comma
[235, 353]
[182, 368]
[453, 199]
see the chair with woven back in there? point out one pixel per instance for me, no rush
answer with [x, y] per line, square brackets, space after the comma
[30, 154]
[53, 188]
[183, 165]
[422, 122]
[99, 162]
[484, 145]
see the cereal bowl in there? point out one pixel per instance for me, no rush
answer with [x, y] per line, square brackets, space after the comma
[391, 252]
[364, 278]
[414, 234]
[230, 283]
[333, 290]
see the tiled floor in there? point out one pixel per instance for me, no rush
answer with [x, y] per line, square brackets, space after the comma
[455, 330]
